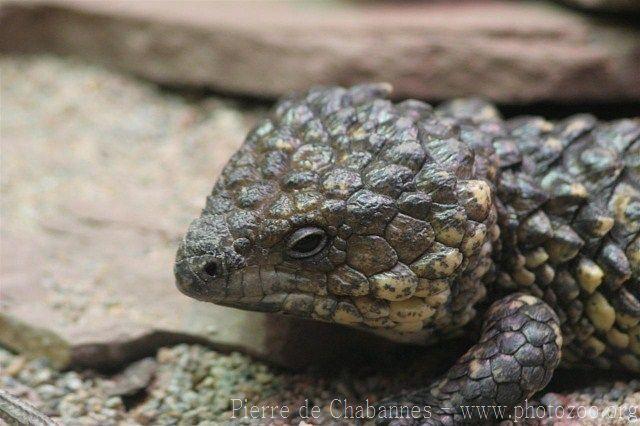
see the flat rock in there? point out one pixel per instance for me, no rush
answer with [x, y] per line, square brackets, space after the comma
[510, 52]
[101, 174]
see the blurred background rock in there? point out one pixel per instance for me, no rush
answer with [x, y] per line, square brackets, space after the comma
[115, 119]
[509, 51]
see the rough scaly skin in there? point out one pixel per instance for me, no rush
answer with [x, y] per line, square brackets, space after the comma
[414, 223]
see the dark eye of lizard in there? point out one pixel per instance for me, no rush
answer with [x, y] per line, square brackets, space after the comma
[306, 242]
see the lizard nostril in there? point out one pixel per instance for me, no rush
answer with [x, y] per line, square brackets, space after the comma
[211, 269]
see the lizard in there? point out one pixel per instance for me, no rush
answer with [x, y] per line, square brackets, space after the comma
[421, 224]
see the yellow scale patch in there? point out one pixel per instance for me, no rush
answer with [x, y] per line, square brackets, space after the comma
[589, 275]
[600, 312]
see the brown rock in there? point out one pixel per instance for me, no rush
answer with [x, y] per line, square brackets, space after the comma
[100, 177]
[507, 51]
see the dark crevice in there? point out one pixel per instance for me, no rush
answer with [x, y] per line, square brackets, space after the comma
[134, 400]
[606, 110]
[622, 17]
[566, 380]
[556, 110]
[198, 94]
[112, 358]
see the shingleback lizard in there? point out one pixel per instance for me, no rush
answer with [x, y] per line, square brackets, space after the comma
[421, 223]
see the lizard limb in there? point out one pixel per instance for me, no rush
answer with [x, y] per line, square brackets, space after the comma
[516, 355]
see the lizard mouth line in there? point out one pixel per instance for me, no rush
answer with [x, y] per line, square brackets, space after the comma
[273, 303]
[275, 290]
[278, 289]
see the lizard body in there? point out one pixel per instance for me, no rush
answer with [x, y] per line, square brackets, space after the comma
[415, 223]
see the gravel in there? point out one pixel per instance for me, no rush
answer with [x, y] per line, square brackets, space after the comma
[194, 385]
[185, 385]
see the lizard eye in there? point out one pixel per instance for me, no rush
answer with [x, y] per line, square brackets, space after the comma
[306, 242]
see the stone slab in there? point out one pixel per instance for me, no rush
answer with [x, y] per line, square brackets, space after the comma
[510, 52]
[100, 176]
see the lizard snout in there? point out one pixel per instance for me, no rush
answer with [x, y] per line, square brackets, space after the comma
[201, 277]
[204, 260]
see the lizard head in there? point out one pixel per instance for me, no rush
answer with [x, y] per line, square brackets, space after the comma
[345, 207]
